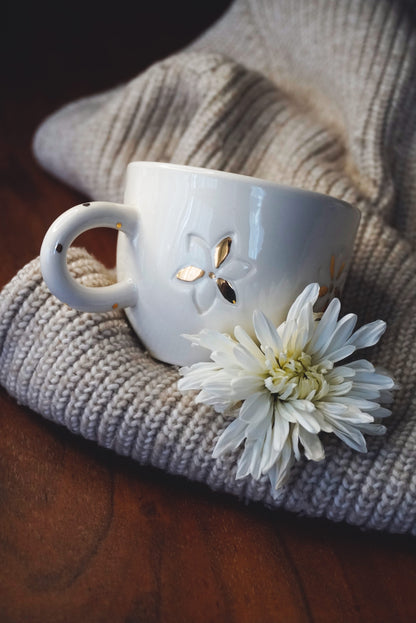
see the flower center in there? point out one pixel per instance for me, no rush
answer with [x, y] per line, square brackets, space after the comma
[294, 377]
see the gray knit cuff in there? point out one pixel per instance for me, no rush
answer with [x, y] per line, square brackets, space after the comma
[90, 373]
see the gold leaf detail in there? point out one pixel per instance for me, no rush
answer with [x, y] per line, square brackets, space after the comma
[190, 273]
[323, 290]
[332, 267]
[341, 270]
[226, 290]
[222, 250]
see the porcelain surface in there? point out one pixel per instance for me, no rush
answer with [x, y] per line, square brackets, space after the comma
[200, 248]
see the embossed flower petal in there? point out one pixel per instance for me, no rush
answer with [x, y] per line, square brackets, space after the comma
[235, 269]
[190, 273]
[204, 295]
[227, 290]
[222, 250]
[199, 252]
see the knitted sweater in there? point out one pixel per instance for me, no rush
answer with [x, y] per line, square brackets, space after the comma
[317, 94]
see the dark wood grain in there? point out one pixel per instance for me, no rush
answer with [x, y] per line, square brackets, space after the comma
[86, 535]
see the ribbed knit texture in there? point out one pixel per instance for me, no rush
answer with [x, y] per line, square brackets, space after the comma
[319, 94]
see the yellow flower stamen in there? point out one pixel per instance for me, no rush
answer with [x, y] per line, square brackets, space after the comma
[294, 377]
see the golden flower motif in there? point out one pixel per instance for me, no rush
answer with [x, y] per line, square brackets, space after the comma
[212, 272]
[332, 282]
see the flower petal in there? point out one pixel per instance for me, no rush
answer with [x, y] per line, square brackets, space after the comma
[360, 403]
[363, 390]
[340, 389]
[339, 374]
[245, 385]
[269, 454]
[351, 416]
[280, 428]
[368, 335]
[286, 411]
[195, 375]
[250, 460]
[304, 329]
[231, 438]
[266, 332]
[351, 436]
[212, 340]
[247, 360]
[312, 445]
[218, 385]
[342, 333]
[306, 419]
[245, 340]
[382, 381]
[220, 405]
[340, 353]
[256, 407]
[386, 397]
[295, 441]
[324, 328]
[279, 473]
[331, 408]
[361, 364]
[381, 412]
[307, 297]
[258, 429]
[372, 429]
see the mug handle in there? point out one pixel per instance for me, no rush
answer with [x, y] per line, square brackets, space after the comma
[55, 246]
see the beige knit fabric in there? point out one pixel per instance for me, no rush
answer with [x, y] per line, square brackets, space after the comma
[319, 94]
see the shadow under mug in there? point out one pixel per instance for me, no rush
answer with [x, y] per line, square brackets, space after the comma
[199, 249]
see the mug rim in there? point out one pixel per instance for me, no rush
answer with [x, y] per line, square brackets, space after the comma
[241, 178]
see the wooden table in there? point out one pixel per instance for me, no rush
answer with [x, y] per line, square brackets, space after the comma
[84, 534]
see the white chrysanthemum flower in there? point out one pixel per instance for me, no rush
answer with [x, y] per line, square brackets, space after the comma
[285, 389]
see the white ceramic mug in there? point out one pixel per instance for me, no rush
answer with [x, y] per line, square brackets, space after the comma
[200, 248]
